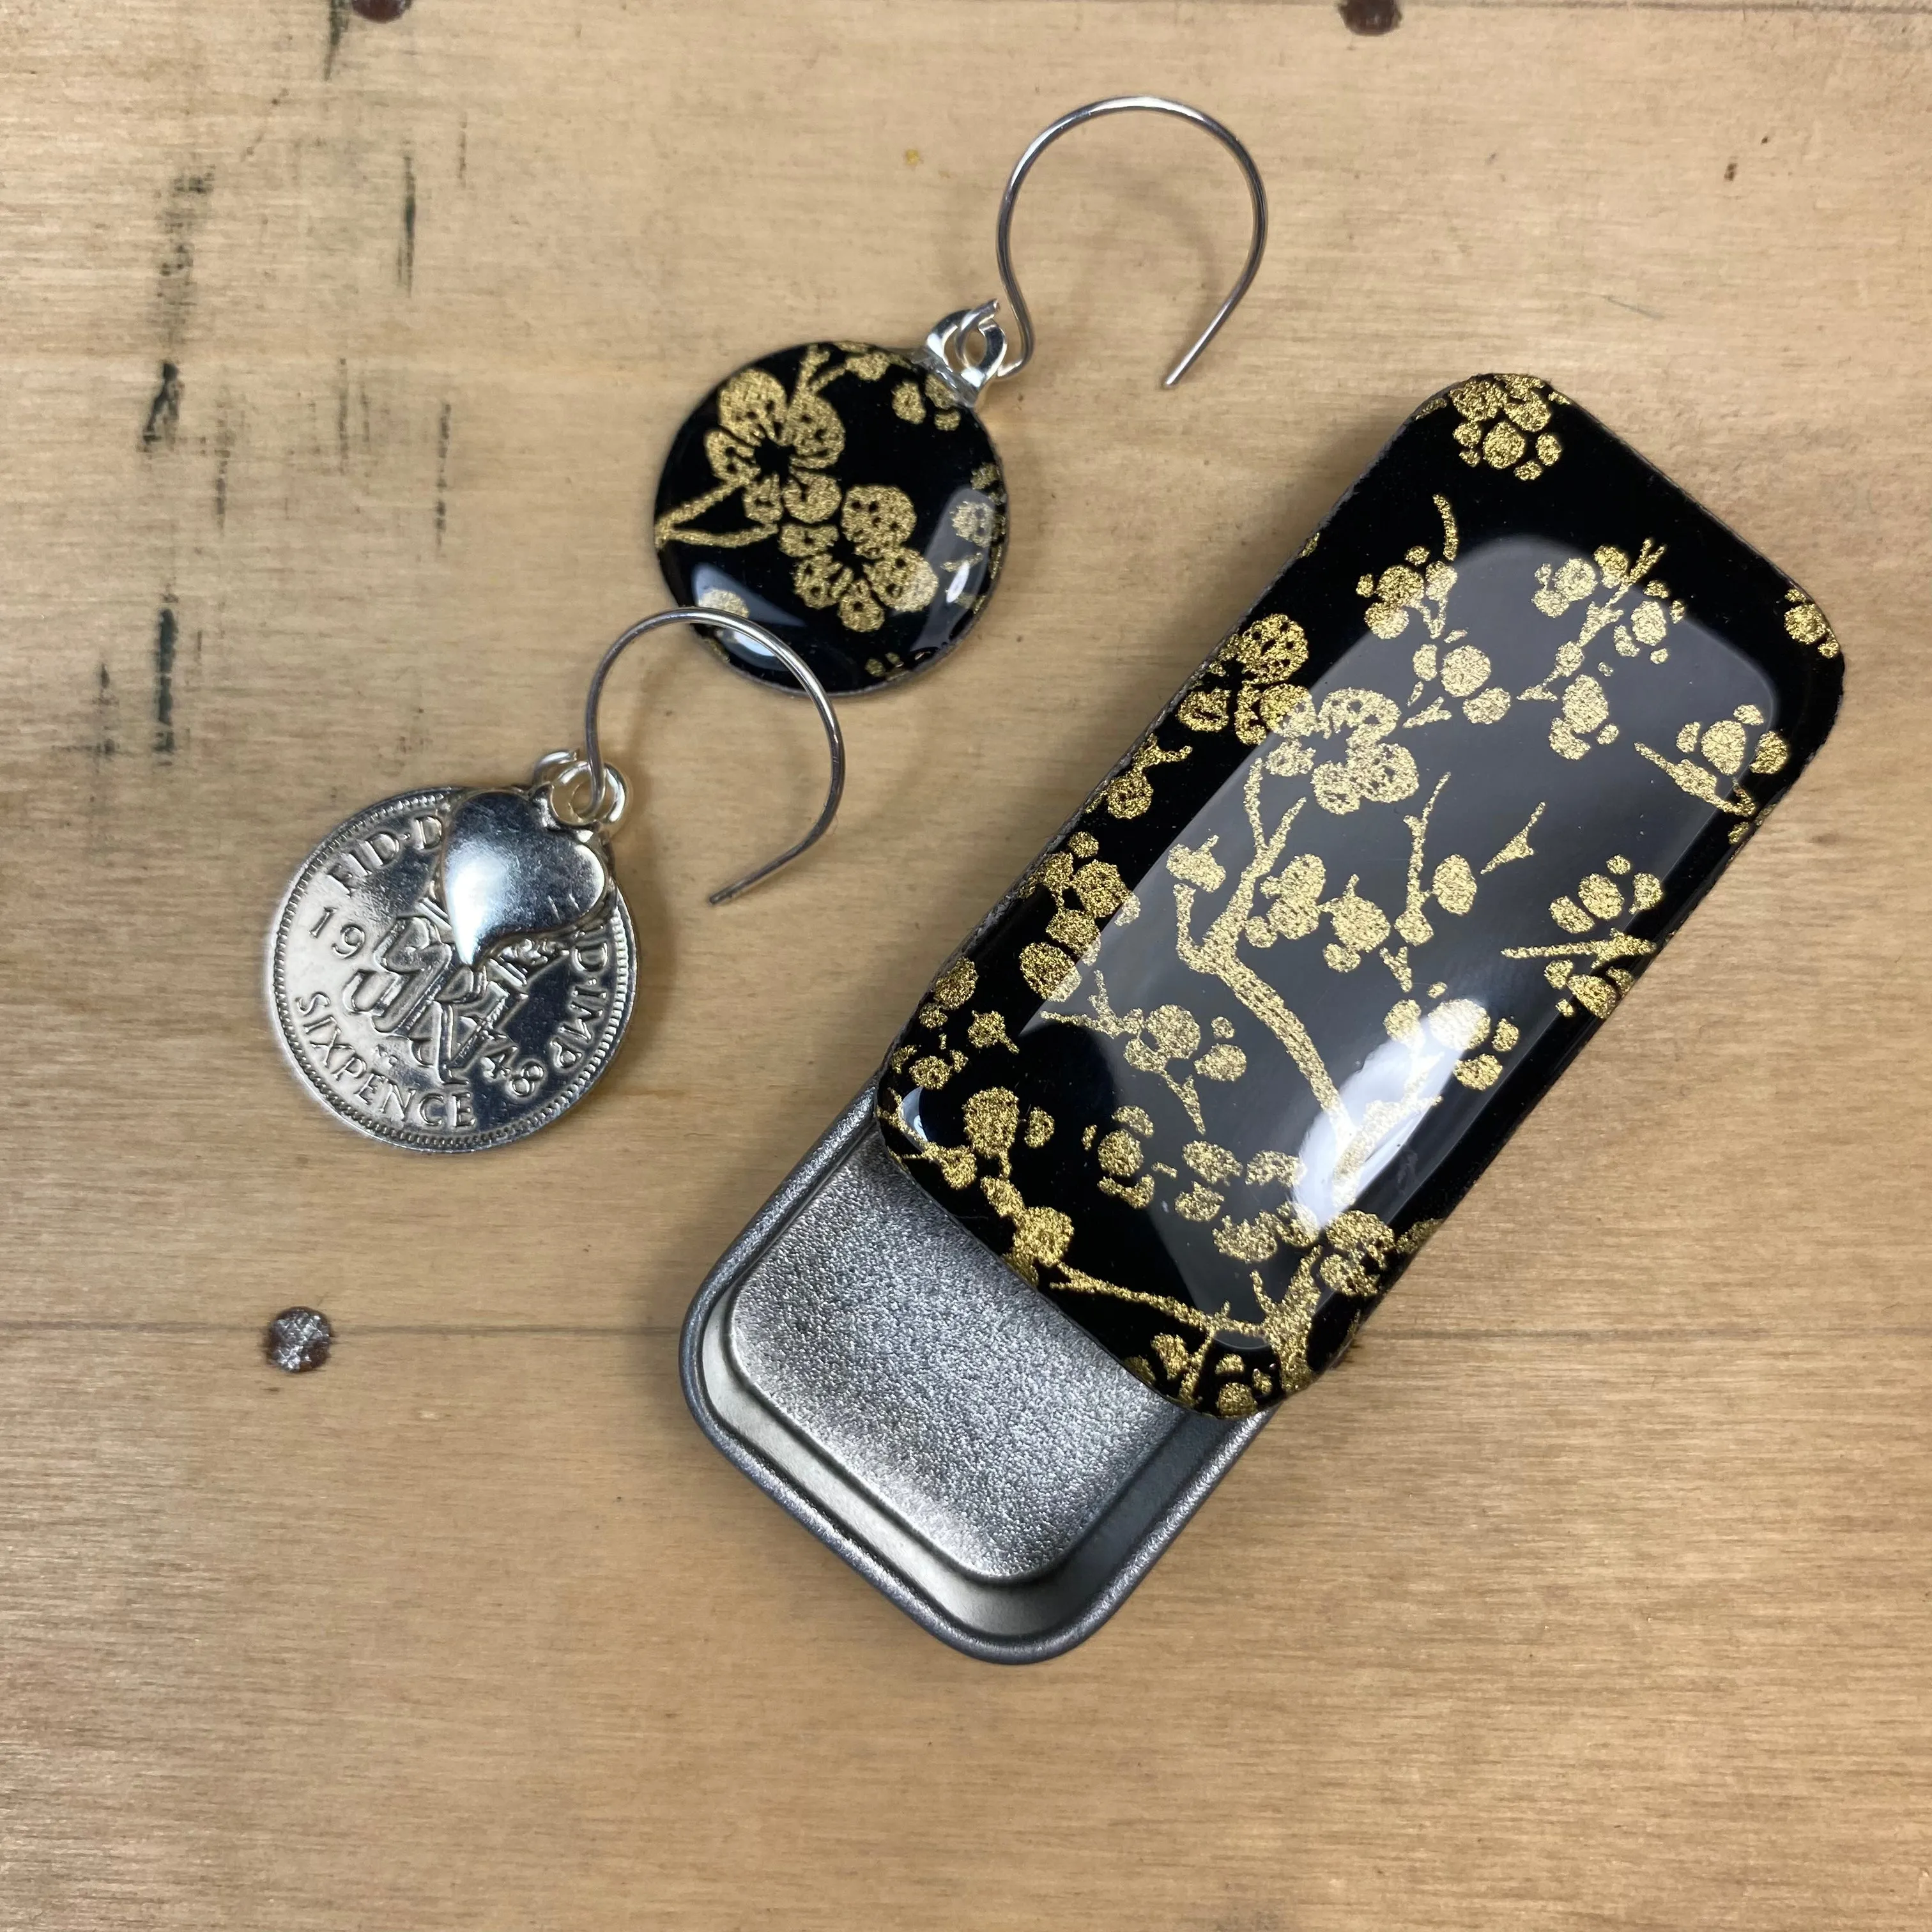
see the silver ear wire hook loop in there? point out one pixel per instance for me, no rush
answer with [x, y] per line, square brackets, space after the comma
[607, 788]
[966, 373]
[1127, 103]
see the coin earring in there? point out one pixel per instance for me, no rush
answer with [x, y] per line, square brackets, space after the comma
[452, 968]
[848, 497]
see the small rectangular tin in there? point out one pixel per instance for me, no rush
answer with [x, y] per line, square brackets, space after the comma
[1021, 1485]
[938, 1345]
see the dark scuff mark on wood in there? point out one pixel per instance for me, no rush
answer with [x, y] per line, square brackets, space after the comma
[462, 152]
[405, 249]
[181, 215]
[105, 708]
[248, 152]
[1370, 16]
[338, 26]
[224, 455]
[381, 10]
[442, 474]
[164, 411]
[167, 631]
[342, 413]
[1635, 308]
[1730, 171]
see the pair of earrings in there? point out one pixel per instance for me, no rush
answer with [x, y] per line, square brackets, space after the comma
[452, 968]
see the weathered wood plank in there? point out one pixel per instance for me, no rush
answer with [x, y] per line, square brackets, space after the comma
[336, 359]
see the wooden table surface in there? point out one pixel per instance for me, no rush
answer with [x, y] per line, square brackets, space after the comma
[337, 357]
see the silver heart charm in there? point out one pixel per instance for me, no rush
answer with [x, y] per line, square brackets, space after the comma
[510, 871]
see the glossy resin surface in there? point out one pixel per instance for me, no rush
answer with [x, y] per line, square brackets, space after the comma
[838, 494]
[1221, 1064]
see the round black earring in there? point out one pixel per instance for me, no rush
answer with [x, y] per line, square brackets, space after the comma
[848, 498]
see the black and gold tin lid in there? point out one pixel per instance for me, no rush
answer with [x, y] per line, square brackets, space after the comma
[846, 497]
[1215, 1070]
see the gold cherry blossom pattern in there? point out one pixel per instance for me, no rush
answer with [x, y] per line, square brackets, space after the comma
[1635, 631]
[995, 1121]
[1351, 1252]
[1193, 1364]
[1297, 908]
[1120, 1155]
[932, 1063]
[771, 449]
[1359, 925]
[979, 521]
[1419, 585]
[1454, 1039]
[909, 400]
[1255, 1207]
[1463, 673]
[1805, 622]
[1714, 756]
[1372, 768]
[1418, 588]
[1356, 921]
[863, 566]
[1233, 1387]
[1452, 887]
[1462, 1027]
[1130, 792]
[1126, 1170]
[1595, 942]
[977, 527]
[1637, 610]
[1086, 892]
[934, 1066]
[1204, 1373]
[1249, 683]
[1505, 424]
[1159, 1041]
[1348, 1257]
[1216, 1169]
[797, 488]
[1251, 1201]
[1228, 1388]
[1170, 1036]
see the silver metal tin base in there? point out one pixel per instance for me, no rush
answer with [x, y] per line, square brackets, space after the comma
[940, 1424]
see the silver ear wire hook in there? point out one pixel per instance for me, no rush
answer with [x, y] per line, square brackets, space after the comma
[968, 374]
[606, 792]
[1127, 104]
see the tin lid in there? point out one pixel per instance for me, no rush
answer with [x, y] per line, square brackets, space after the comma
[1220, 1064]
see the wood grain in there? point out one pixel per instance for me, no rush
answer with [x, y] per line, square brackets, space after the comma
[336, 359]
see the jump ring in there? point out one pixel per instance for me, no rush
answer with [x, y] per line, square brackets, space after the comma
[603, 812]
